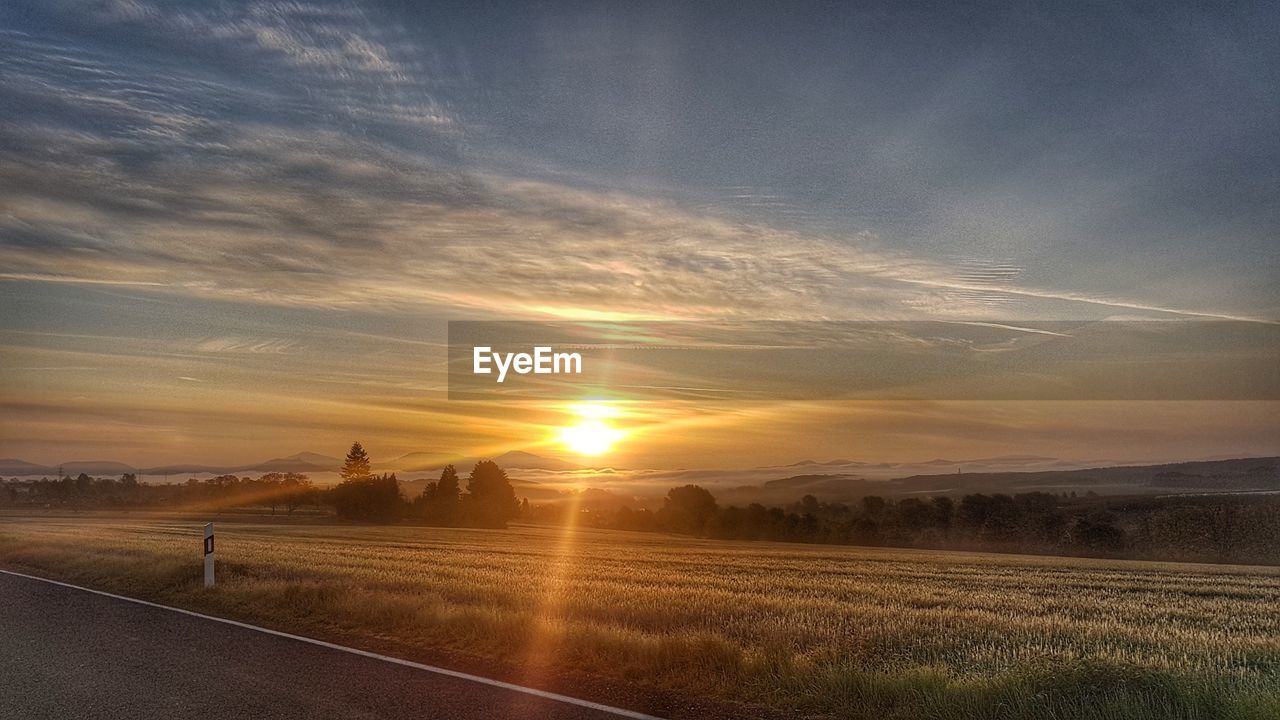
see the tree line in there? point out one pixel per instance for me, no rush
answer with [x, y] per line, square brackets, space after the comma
[487, 501]
[1237, 528]
[285, 491]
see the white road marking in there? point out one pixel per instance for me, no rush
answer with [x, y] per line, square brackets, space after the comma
[620, 712]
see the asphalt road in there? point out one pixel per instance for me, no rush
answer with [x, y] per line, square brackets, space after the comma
[67, 653]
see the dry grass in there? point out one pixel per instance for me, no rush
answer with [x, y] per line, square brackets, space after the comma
[825, 630]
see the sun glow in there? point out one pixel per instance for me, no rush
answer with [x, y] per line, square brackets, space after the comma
[589, 437]
[592, 434]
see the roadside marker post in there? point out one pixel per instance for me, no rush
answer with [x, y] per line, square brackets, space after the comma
[208, 555]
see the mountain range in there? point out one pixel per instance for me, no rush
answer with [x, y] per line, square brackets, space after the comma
[1206, 476]
[303, 462]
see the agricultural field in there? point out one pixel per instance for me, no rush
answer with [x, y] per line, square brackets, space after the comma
[815, 631]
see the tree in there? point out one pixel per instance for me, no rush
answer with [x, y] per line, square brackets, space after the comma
[222, 481]
[864, 531]
[1004, 520]
[448, 488]
[271, 491]
[687, 509]
[356, 466]
[873, 506]
[491, 499]
[298, 491]
[913, 515]
[373, 499]
[440, 499]
[809, 504]
[944, 508]
[1097, 535]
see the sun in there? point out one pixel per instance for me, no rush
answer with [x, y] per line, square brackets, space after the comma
[592, 434]
[590, 437]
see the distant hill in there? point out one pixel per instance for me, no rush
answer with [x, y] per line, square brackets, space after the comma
[14, 466]
[803, 481]
[413, 462]
[521, 460]
[1002, 460]
[1200, 477]
[302, 462]
[1205, 476]
[826, 463]
[889, 470]
[187, 469]
[783, 491]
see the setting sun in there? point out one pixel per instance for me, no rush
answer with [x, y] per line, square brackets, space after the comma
[590, 437]
[591, 433]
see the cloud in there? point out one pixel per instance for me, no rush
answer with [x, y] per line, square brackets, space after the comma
[214, 178]
[160, 159]
[233, 344]
[317, 218]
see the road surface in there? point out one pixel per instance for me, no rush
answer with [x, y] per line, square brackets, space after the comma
[68, 653]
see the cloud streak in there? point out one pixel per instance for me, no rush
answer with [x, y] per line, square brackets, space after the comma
[282, 211]
[318, 218]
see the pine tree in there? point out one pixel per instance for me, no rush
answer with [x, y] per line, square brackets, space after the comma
[440, 499]
[357, 465]
[448, 489]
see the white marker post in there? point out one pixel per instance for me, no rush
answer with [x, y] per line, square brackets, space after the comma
[208, 555]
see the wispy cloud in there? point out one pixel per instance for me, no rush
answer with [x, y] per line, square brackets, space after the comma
[232, 344]
[315, 217]
[100, 189]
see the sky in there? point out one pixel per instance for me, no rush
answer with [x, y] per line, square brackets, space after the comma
[231, 231]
